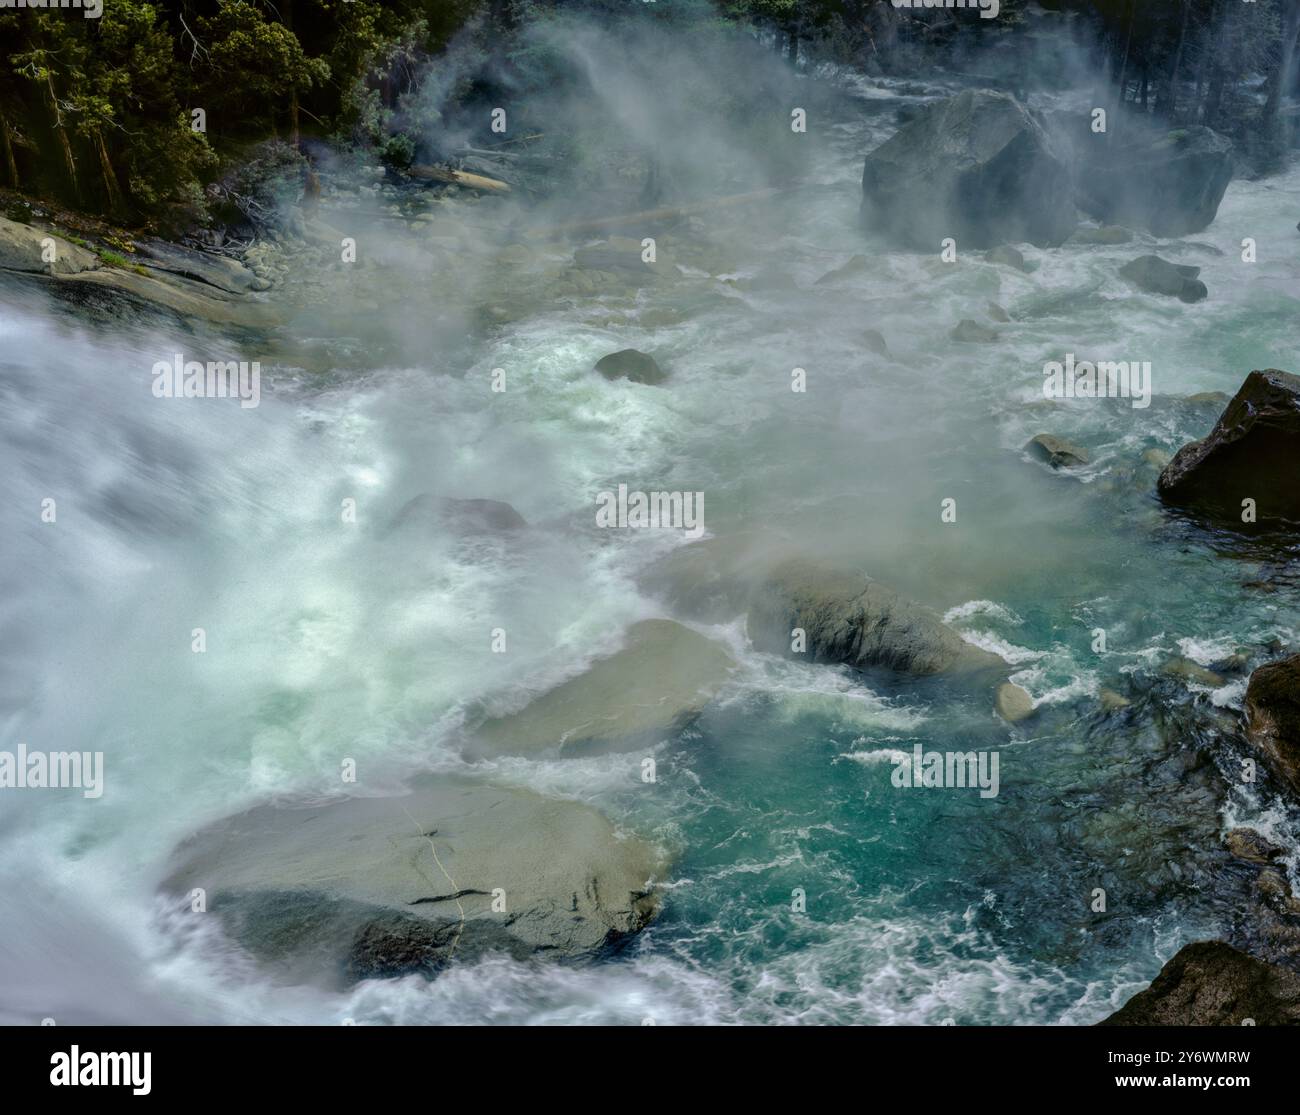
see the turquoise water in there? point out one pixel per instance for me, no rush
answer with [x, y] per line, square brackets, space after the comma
[921, 906]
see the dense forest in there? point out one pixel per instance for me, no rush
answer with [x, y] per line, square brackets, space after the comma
[141, 114]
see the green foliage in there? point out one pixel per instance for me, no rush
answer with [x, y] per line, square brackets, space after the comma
[98, 113]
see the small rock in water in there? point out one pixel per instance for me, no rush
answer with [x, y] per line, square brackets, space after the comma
[461, 516]
[628, 363]
[855, 266]
[973, 332]
[1157, 458]
[1008, 256]
[1187, 670]
[618, 253]
[1058, 452]
[1112, 701]
[1107, 234]
[1013, 703]
[997, 313]
[875, 340]
[1252, 846]
[1159, 276]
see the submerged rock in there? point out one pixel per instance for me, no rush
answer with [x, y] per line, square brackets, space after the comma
[875, 341]
[1273, 716]
[1159, 276]
[1184, 669]
[1058, 452]
[1253, 453]
[1008, 257]
[851, 619]
[710, 581]
[377, 887]
[628, 363]
[1111, 701]
[1212, 984]
[461, 516]
[997, 313]
[1107, 234]
[619, 253]
[976, 167]
[1156, 458]
[651, 688]
[855, 266]
[973, 332]
[1171, 184]
[1013, 703]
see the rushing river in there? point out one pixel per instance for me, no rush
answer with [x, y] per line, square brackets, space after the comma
[323, 639]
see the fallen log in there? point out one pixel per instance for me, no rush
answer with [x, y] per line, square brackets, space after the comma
[647, 216]
[459, 178]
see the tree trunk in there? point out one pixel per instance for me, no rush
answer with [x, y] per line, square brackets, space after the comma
[1283, 75]
[110, 179]
[11, 163]
[62, 133]
[1123, 65]
[1172, 89]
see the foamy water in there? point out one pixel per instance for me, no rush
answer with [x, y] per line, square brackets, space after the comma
[327, 640]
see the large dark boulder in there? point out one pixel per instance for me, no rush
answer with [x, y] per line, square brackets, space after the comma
[1273, 716]
[1212, 984]
[1171, 184]
[851, 619]
[976, 167]
[1253, 452]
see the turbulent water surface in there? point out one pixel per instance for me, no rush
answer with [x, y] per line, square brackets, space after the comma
[324, 640]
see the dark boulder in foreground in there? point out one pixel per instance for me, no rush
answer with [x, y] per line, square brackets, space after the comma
[1273, 716]
[1253, 453]
[1212, 984]
[851, 619]
[628, 363]
[376, 887]
[976, 167]
[1170, 185]
[1159, 276]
